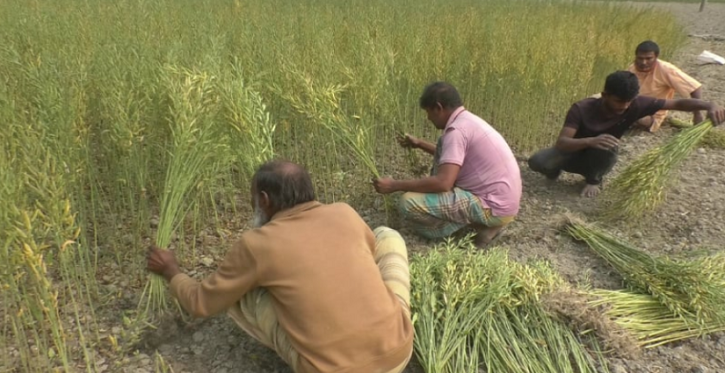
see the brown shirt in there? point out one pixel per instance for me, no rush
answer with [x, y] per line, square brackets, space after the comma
[317, 263]
[589, 119]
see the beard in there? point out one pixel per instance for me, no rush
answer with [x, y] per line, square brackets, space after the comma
[259, 218]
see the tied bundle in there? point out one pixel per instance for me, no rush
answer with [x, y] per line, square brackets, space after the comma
[643, 316]
[641, 187]
[692, 291]
[713, 140]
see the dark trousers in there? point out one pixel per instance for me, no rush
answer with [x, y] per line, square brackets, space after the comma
[591, 163]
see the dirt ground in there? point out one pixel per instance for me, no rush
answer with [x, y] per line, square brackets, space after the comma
[692, 218]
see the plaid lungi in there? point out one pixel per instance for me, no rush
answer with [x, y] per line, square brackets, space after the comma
[437, 215]
[258, 319]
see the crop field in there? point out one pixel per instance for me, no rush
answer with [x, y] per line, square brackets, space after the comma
[105, 104]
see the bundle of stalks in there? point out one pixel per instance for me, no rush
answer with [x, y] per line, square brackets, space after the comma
[194, 149]
[678, 123]
[652, 323]
[692, 290]
[584, 312]
[252, 129]
[321, 104]
[472, 307]
[355, 134]
[713, 140]
[640, 188]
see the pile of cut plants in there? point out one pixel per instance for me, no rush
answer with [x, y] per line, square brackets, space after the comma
[667, 299]
[479, 311]
[641, 188]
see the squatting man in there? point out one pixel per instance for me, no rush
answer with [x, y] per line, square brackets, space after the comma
[311, 281]
[589, 142]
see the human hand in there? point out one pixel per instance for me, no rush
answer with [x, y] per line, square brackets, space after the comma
[697, 117]
[716, 114]
[162, 262]
[603, 142]
[384, 185]
[408, 141]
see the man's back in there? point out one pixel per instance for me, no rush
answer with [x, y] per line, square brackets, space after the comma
[317, 263]
[489, 169]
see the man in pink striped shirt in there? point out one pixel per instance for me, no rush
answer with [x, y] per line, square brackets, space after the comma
[475, 181]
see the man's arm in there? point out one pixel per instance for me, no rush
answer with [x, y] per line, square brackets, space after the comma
[566, 141]
[697, 116]
[408, 141]
[573, 121]
[714, 112]
[427, 147]
[234, 277]
[443, 181]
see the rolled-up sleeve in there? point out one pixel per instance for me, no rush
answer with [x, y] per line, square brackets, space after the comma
[235, 276]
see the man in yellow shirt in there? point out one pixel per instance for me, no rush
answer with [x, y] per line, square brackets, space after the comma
[661, 79]
[310, 281]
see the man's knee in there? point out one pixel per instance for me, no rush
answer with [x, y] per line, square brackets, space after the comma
[384, 232]
[600, 162]
[536, 163]
[544, 161]
[407, 204]
[389, 240]
[602, 158]
[255, 303]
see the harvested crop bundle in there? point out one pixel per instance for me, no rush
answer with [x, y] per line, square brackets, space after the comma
[473, 308]
[195, 149]
[691, 289]
[641, 187]
[651, 322]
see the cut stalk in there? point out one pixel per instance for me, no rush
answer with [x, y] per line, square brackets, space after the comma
[692, 290]
[641, 187]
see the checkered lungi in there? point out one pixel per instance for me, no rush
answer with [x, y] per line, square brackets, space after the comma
[437, 215]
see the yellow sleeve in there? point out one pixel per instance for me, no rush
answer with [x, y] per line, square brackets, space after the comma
[681, 82]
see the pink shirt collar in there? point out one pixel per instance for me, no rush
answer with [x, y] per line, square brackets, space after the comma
[455, 115]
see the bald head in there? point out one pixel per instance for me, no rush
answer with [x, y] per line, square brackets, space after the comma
[285, 184]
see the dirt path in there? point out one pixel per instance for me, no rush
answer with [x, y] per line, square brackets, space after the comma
[693, 218]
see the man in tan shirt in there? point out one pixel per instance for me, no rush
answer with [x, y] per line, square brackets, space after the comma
[311, 281]
[661, 79]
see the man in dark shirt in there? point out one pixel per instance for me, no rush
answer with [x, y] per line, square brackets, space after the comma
[588, 143]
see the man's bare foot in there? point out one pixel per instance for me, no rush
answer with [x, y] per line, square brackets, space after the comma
[486, 236]
[590, 191]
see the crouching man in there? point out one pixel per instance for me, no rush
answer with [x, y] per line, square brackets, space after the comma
[310, 281]
[589, 142]
[475, 180]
